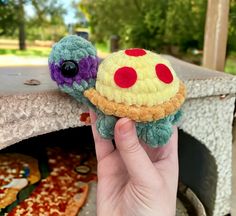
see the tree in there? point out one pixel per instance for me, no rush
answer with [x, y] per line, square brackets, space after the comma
[48, 20]
[108, 17]
[21, 25]
[148, 23]
[13, 17]
[185, 23]
[232, 27]
[8, 18]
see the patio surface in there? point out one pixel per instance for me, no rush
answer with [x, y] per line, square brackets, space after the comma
[15, 61]
[234, 174]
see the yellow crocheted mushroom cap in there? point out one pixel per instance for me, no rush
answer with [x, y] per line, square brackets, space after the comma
[134, 82]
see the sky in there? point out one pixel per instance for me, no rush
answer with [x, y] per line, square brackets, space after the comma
[69, 17]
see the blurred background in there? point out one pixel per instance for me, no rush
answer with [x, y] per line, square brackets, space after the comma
[28, 28]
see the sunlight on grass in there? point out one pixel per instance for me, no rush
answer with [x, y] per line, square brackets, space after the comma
[231, 65]
[102, 50]
[30, 52]
[103, 47]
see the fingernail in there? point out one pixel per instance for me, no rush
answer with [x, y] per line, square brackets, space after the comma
[125, 127]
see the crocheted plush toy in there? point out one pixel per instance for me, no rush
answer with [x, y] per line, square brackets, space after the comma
[133, 83]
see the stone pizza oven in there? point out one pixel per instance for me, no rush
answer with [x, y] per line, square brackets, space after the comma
[205, 140]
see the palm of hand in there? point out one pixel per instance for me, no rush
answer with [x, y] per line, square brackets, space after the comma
[135, 180]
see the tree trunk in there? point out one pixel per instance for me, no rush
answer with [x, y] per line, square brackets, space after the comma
[114, 43]
[22, 44]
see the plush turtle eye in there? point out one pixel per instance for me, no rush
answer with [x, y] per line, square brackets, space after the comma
[69, 69]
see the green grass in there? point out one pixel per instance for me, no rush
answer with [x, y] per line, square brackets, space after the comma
[30, 52]
[43, 52]
[103, 47]
[230, 66]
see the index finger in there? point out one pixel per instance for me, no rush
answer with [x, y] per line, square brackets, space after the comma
[103, 146]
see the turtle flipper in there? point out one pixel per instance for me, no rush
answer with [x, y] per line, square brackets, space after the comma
[105, 125]
[175, 118]
[155, 134]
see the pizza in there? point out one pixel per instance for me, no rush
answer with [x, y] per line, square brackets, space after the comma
[63, 192]
[16, 172]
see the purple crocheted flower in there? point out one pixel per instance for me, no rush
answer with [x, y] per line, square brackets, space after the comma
[87, 70]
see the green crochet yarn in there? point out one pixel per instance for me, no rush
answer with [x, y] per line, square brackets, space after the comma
[82, 54]
[105, 125]
[176, 117]
[155, 134]
[71, 48]
[77, 92]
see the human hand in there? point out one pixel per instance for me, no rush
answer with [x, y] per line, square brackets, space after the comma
[134, 179]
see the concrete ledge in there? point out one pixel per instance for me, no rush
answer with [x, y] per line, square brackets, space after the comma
[28, 111]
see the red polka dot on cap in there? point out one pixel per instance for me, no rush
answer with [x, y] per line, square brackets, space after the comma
[164, 73]
[125, 77]
[135, 52]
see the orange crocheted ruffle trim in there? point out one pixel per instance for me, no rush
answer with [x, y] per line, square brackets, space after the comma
[137, 113]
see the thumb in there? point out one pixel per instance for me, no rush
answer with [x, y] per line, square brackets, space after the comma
[135, 158]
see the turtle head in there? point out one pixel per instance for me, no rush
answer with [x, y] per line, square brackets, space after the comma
[73, 65]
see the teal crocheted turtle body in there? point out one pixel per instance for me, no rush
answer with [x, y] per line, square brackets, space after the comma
[154, 134]
[73, 65]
